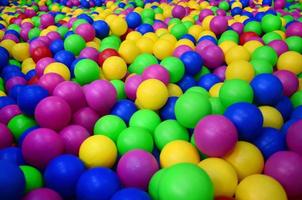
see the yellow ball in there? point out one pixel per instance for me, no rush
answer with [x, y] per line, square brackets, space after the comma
[237, 53]
[252, 45]
[93, 45]
[114, 68]
[128, 51]
[240, 69]
[27, 65]
[8, 45]
[58, 68]
[222, 174]
[195, 30]
[227, 45]
[160, 32]
[20, 51]
[152, 36]
[186, 42]
[214, 90]
[178, 151]
[2, 94]
[260, 187]
[152, 94]
[171, 38]
[290, 61]
[145, 45]
[246, 159]
[98, 151]
[118, 26]
[174, 90]
[206, 22]
[162, 49]
[271, 117]
[134, 36]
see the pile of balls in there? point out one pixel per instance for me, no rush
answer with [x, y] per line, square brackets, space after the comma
[151, 99]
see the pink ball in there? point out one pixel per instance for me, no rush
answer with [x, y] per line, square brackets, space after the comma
[294, 29]
[6, 138]
[215, 135]
[11, 37]
[212, 56]
[90, 53]
[220, 72]
[72, 93]
[221, 12]
[238, 27]
[204, 13]
[294, 137]
[47, 20]
[45, 39]
[42, 64]
[16, 80]
[35, 44]
[202, 45]
[73, 136]
[136, 168]
[157, 72]
[42, 145]
[289, 81]
[27, 25]
[178, 11]
[218, 24]
[279, 46]
[71, 21]
[100, 96]
[8, 112]
[158, 25]
[54, 36]
[131, 85]
[50, 81]
[86, 31]
[24, 33]
[85, 117]
[279, 4]
[53, 112]
[29, 12]
[42, 193]
[285, 167]
[181, 50]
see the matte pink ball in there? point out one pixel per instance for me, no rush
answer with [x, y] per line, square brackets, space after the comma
[178, 12]
[289, 81]
[86, 31]
[212, 56]
[53, 36]
[131, 85]
[156, 72]
[204, 13]
[6, 138]
[90, 53]
[43, 193]
[202, 45]
[50, 81]
[85, 117]
[294, 137]
[42, 64]
[8, 112]
[294, 29]
[279, 46]
[215, 135]
[218, 24]
[47, 20]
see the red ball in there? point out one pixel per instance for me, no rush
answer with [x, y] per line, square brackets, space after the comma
[41, 52]
[246, 36]
[34, 80]
[106, 54]
[224, 198]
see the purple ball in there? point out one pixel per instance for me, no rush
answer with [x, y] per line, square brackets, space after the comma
[24, 33]
[221, 12]
[220, 72]
[178, 11]
[157, 72]
[53, 112]
[90, 53]
[285, 167]
[42, 145]
[215, 135]
[158, 25]
[6, 138]
[218, 24]
[85, 117]
[131, 85]
[294, 29]
[202, 45]
[42, 64]
[73, 136]
[204, 13]
[294, 137]
[8, 112]
[27, 25]
[181, 50]
[11, 37]
[212, 56]
[16, 80]
[47, 20]
[279, 46]
[238, 27]
[86, 31]
[136, 168]
[45, 39]
[279, 4]
[289, 81]
[42, 193]
[50, 81]
[35, 44]
[53, 36]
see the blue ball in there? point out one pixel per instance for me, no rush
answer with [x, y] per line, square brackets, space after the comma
[187, 82]
[167, 112]
[287, 124]
[12, 181]
[208, 80]
[285, 107]
[267, 2]
[192, 61]
[247, 118]
[4, 57]
[85, 16]
[56, 46]
[189, 37]
[145, 28]
[133, 20]
[9, 69]
[13, 155]
[30, 74]
[12, 75]
[236, 11]
[131, 194]
[259, 16]
[13, 32]
[65, 57]
[102, 29]
[63, 173]
[15, 91]
[208, 37]
[124, 109]
[5, 101]
[98, 184]
[29, 98]
[270, 141]
[297, 113]
[268, 89]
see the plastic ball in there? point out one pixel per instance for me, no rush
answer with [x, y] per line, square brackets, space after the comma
[131, 193]
[293, 137]
[289, 81]
[133, 20]
[6, 138]
[290, 61]
[163, 49]
[20, 123]
[124, 109]
[41, 52]
[56, 46]
[85, 117]
[265, 53]
[141, 62]
[175, 67]
[271, 117]
[192, 61]
[33, 178]
[145, 118]
[156, 72]
[45, 193]
[212, 56]
[118, 26]
[178, 11]
[237, 53]
[262, 66]
[20, 51]
[50, 81]
[65, 57]
[59, 69]
[270, 23]
[106, 54]
[240, 69]
[86, 31]
[279, 46]
[75, 44]
[294, 29]
[218, 24]
[86, 71]
[114, 68]
[179, 30]
[42, 64]
[131, 84]
[101, 28]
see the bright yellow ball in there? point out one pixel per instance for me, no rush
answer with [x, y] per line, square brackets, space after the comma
[129, 51]
[206, 22]
[214, 90]
[227, 45]
[160, 32]
[8, 45]
[174, 90]
[237, 53]
[152, 36]
[134, 36]
[27, 65]
[271, 117]
[195, 30]
[2, 94]
[93, 45]
[98, 151]
[58, 68]
[162, 49]
[240, 69]
[290, 61]
[118, 26]
[186, 42]
[178, 151]
[252, 45]
[169, 37]
[145, 45]
[20, 51]
[114, 68]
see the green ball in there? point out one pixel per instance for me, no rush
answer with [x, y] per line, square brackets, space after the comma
[230, 34]
[217, 107]
[14, 27]
[59, 17]
[154, 184]
[199, 90]
[294, 43]
[34, 33]
[224, 5]
[214, 9]
[288, 18]
[109, 46]
[174, 21]
[158, 10]
[77, 23]
[296, 99]
[265, 53]
[253, 26]
[86, 71]
[62, 30]
[228, 38]
[119, 86]
[235, 91]
[190, 108]
[33, 178]
[141, 62]
[188, 24]
[75, 44]
[134, 138]
[270, 23]
[145, 118]
[110, 126]
[271, 36]
[14, 62]
[185, 181]
[175, 68]
[1, 84]
[148, 13]
[148, 21]
[168, 131]
[178, 30]
[19, 124]
[36, 21]
[262, 66]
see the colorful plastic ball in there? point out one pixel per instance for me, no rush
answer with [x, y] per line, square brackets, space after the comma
[294, 29]
[58, 68]
[145, 28]
[49, 81]
[133, 20]
[290, 61]
[294, 43]
[279, 46]
[40, 146]
[46, 20]
[6, 138]
[131, 84]
[85, 117]
[129, 51]
[289, 81]
[178, 51]
[293, 138]
[119, 86]
[42, 64]
[89, 52]
[271, 117]
[124, 109]
[265, 53]
[167, 112]
[246, 159]
[175, 67]
[40, 52]
[118, 26]
[101, 29]
[262, 66]
[156, 72]
[20, 51]
[145, 118]
[20, 123]
[218, 24]
[296, 99]
[4, 56]
[86, 31]
[98, 183]
[270, 23]
[240, 69]
[222, 174]
[75, 44]
[136, 160]
[163, 49]
[45, 193]
[208, 80]
[237, 53]
[65, 57]
[178, 11]
[212, 56]
[86, 71]
[179, 30]
[192, 61]
[131, 193]
[114, 68]
[33, 178]
[106, 54]
[253, 186]
[13, 155]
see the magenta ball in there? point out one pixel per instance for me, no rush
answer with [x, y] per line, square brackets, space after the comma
[45, 39]
[50, 81]
[158, 25]
[47, 20]
[72, 93]
[131, 85]
[215, 135]
[86, 31]
[8, 112]
[11, 37]
[35, 44]
[221, 12]
[42, 193]
[279, 4]
[73, 136]
[16, 80]
[136, 168]
[53, 112]
[42, 64]
[6, 138]
[279, 46]
[289, 81]
[42, 145]
[178, 11]
[85, 117]
[204, 13]
[212, 56]
[181, 50]
[294, 137]
[156, 72]
[90, 53]
[238, 27]
[218, 24]
[24, 33]
[100, 96]
[294, 29]
[202, 45]
[53, 36]
[220, 72]
[285, 167]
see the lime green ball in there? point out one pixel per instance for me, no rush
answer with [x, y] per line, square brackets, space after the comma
[224, 5]
[34, 33]
[234, 91]
[228, 38]
[148, 21]
[112, 39]
[270, 23]
[204, 70]
[199, 90]
[178, 30]
[253, 26]
[1, 84]
[86, 71]
[175, 68]
[145, 118]
[230, 34]
[36, 21]
[294, 43]
[14, 62]
[148, 13]
[190, 108]
[59, 17]
[168, 131]
[271, 36]
[188, 24]
[217, 107]
[119, 86]
[185, 181]
[141, 62]
[158, 10]
[110, 126]
[262, 66]
[62, 30]
[174, 21]
[154, 183]
[296, 98]
[109, 46]
[265, 53]
[77, 23]
[33, 178]
[288, 18]
[134, 138]
[20, 123]
[75, 44]
[14, 27]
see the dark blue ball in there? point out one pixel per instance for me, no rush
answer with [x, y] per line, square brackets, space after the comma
[192, 61]
[167, 112]
[267, 2]
[102, 29]
[297, 113]
[208, 80]
[133, 20]
[259, 16]
[236, 11]
[4, 57]
[65, 57]
[56, 46]
[187, 82]
[15, 91]
[208, 37]
[13, 32]
[85, 17]
[124, 109]
[30, 74]
[13, 155]
[131, 193]
[5, 101]
[285, 107]
[145, 28]
[189, 37]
